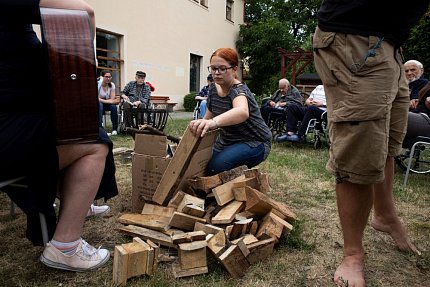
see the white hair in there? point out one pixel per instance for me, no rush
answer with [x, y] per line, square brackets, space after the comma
[416, 63]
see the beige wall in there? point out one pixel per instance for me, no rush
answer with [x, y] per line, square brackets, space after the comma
[159, 35]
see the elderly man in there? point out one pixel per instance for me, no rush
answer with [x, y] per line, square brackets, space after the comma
[414, 71]
[135, 95]
[285, 95]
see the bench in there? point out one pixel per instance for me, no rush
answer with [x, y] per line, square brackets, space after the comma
[162, 102]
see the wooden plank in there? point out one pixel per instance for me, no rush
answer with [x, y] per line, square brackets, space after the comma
[193, 210]
[234, 261]
[263, 179]
[120, 262]
[184, 221]
[224, 192]
[247, 239]
[231, 174]
[146, 233]
[189, 237]
[226, 215]
[283, 211]
[157, 210]
[205, 183]
[156, 249]
[207, 228]
[176, 167]
[152, 221]
[189, 199]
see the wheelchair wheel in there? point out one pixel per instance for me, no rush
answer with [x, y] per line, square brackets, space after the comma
[420, 159]
[196, 114]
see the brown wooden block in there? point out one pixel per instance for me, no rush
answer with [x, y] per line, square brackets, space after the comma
[207, 228]
[156, 249]
[192, 254]
[231, 174]
[247, 239]
[176, 199]
[189, 199]
[270, 227]
[152, 221]
[157, 210]
[137, 257]
[224, 193]
[257, 202]
[179, 273]
[234, 261]
[194, 210]
[260, 250]
[217, 244]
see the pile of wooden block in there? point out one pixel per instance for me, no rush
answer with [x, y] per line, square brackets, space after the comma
[229, 214]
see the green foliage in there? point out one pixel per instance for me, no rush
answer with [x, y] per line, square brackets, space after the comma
[417, 45]
[271, 25]
[189, 102]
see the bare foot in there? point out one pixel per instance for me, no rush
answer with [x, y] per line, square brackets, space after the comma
[350, 272]
[398, 232]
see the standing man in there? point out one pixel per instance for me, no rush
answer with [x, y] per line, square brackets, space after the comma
[414, 71]
[359, 62]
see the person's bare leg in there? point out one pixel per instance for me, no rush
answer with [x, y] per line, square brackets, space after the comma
[385, 217]
[354, 202]
[83, 165]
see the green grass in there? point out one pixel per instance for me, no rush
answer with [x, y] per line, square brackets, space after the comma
[307, 256]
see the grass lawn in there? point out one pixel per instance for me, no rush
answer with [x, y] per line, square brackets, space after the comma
[306, 257]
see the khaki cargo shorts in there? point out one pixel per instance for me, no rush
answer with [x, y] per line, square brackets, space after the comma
[367, 103]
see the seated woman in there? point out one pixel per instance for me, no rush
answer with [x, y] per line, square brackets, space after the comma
[244, 137]
[419, 118]
[107, 99]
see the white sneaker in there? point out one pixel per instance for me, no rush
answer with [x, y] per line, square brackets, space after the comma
[98, 210]
[114, 133]
[86, 257]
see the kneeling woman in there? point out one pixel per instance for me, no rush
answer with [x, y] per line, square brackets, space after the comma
[244, 137]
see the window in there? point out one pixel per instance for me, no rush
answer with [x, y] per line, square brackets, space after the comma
[195, 68]
[229, 10]
[109, 55]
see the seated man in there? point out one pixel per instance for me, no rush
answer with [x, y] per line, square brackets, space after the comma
[275, 106]
[315, 107]
[203, 95]
[135, 95]
[414, 72]
[419, 118]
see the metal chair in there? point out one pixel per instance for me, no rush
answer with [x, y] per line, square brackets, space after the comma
[416, 159]
[16, 182]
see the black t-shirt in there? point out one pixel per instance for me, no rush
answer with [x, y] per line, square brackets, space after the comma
[371, 18]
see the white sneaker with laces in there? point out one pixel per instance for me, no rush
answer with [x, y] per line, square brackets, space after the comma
[86, 257]
[98, 210]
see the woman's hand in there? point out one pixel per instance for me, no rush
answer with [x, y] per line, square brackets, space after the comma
[201, 126]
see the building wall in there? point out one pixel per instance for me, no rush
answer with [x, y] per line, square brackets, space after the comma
[159, 35]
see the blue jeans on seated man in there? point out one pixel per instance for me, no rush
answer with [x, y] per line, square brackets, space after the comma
[235, 155]
[113, 114]
[202, 108]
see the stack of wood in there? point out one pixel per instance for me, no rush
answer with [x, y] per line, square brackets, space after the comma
[230, 214]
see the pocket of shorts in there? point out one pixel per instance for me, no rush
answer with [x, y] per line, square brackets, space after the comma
[322, 39]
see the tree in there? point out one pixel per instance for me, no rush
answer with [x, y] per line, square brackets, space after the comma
[417, 46]
[273, 24]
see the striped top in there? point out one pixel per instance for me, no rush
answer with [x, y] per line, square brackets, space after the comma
[253, 131]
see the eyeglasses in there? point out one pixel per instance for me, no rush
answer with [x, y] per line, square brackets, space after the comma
[108, 77]
[221, 69]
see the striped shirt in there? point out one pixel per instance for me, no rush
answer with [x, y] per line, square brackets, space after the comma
[253, 131]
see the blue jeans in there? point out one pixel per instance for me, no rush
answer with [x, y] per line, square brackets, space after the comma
[113, 114]
[202, 108]
[235, 155]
